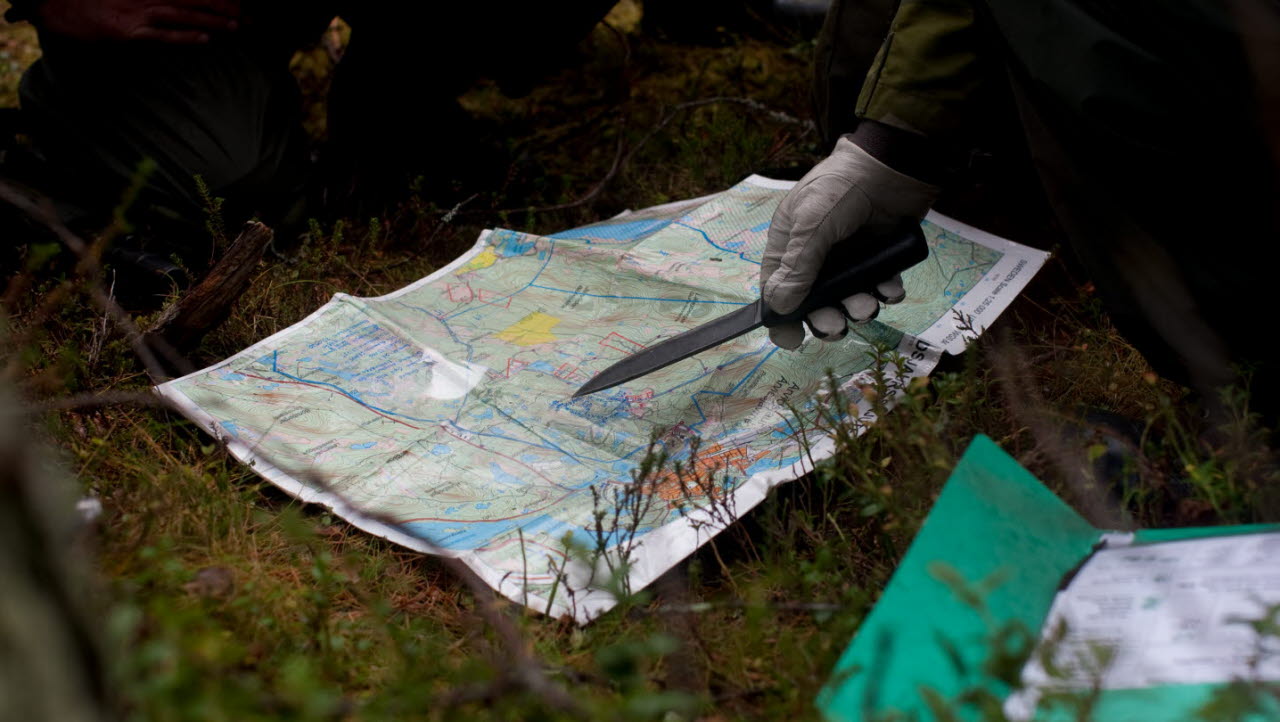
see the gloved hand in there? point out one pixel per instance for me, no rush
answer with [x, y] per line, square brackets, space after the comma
[848, 190]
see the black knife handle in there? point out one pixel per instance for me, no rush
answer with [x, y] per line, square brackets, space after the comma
[856, 265]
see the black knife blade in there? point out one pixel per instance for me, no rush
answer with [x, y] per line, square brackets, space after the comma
[854, 265]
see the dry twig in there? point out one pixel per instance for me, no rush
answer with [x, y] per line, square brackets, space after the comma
[40, 209]
[81, 402]
[520, 666]
[1029, 410]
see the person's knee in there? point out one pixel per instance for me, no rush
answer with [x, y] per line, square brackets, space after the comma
[220, 114]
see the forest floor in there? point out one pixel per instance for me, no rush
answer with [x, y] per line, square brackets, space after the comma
[221, 598]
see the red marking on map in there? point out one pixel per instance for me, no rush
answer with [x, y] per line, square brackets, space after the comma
[618, 342]
[459, 293]
[513, 365]
[567, 372]
[636, 402]
[504, 300]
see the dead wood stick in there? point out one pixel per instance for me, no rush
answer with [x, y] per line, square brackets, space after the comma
[208, 304]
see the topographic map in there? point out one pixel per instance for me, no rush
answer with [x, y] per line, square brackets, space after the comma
[441, 416]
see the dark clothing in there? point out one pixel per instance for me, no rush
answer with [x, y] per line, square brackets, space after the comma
[1145, 123]
[847, 45]
[230, 111]
[224, 112]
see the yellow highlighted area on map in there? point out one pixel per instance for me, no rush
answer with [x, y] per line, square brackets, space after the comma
[485, 259]
[530, 330]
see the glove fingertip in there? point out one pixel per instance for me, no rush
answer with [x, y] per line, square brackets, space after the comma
[787, 336]
[827, 324]
[891, 290]
[861, 307]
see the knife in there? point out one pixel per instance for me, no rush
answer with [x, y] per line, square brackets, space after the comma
[854, 265]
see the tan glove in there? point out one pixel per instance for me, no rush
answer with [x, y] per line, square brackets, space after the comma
[848, 190]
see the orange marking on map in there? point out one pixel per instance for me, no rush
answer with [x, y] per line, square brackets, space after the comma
[714, 460]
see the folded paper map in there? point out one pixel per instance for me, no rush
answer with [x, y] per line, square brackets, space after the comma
[441, 416]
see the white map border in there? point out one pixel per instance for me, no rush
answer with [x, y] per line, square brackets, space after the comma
[993, 292]
[671, 543]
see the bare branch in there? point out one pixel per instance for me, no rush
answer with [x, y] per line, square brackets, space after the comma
[1029, 409]
[524, 667]
[40, 209]
[99, 399]
[703, 607]
[520, 667]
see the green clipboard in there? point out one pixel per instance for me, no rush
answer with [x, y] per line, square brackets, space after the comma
[922, 640]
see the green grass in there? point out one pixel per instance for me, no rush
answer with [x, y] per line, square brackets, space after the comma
[221, 598]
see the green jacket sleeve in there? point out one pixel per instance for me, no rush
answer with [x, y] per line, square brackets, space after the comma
[928, 70]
